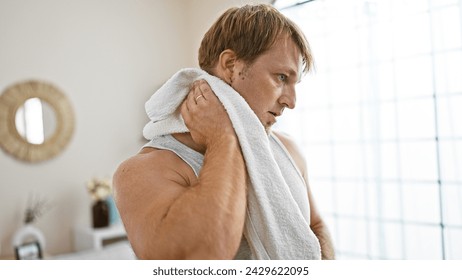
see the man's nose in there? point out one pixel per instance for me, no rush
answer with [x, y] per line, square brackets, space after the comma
[288, 98]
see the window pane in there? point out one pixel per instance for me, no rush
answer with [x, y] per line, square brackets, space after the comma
[344, 86]
[291, 122]
[391, 201]
[353, 237]
[451, 161]
[346, 123]
[448, 69]
[317, 124]
[388, 121]
[450, 116]
[389, 162]
[414, 77]
[409, 7]
[376, 42]
[418, 161]
[447, 28]
[371, 161]
[373, 196]
[453, 243]
[416, 119]
[323, 191]
[437, 3]
[423, 242]
[284, 3]
[312, 92]
[350, 199]
[452, 204]
[421, 203]
[385, 85]
[348, 161]
[412, 34]
[386, 240]
[319, 160]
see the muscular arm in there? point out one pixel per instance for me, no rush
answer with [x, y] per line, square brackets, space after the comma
[321, 231]
[170, 214]
[317, 225]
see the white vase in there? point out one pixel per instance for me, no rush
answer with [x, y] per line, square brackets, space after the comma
[28, 233]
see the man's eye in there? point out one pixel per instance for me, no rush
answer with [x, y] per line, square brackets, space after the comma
[282, 77]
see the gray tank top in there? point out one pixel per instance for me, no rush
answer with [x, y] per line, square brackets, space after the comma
[195, 161]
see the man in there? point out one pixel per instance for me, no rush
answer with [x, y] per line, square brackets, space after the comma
[189, 200]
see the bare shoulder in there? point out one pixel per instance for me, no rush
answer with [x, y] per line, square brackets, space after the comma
[151, 165]
[293, 149]
[149, 182]
[286, 139]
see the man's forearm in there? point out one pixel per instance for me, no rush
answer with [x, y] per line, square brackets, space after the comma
[208, 219]
[327, 247]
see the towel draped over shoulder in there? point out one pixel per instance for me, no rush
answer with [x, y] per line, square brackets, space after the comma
[277, 224]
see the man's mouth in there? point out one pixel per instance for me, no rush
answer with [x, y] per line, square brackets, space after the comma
[275, 114]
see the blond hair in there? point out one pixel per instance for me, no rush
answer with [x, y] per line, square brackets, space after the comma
[250, 31]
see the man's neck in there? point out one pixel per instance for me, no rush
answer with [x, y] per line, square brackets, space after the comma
[186, 139]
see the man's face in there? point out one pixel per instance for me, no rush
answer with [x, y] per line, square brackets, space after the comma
[268, 84]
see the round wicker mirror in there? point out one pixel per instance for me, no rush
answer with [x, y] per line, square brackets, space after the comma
[21, 115]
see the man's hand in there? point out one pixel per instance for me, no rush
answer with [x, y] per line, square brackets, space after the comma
[205, 116]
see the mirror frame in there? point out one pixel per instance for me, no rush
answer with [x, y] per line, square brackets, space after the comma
[12, 142]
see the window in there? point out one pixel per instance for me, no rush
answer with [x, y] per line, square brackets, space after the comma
[380, 123]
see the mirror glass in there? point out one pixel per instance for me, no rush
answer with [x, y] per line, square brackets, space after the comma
[35, 121]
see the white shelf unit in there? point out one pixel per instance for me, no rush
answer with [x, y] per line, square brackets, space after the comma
[97, 238]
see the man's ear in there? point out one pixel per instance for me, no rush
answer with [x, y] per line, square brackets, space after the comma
[226, 64]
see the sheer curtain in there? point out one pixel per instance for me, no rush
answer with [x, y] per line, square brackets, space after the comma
[380, 123]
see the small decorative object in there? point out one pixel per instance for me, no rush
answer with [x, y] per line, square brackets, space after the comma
[114, 216]
[28, 241]
[100, 214]
[29, 251]
[100, 190]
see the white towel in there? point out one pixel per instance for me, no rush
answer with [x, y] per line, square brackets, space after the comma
[275, 227]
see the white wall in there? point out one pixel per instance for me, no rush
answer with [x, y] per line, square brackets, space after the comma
[108, 57]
